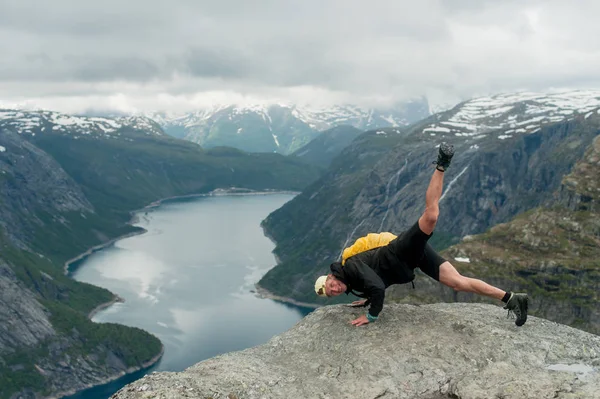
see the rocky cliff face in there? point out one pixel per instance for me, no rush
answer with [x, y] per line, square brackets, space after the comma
[580, 190]
[39, 360]
[464, 351]
[551, 251]
[31, 181]
[38, 355]
[25, 322]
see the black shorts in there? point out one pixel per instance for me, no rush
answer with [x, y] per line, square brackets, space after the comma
[412, 248]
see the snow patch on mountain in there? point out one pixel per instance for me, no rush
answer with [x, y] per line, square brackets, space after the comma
[516, 113]
[279, 127]
[30, 122]
[318, 118]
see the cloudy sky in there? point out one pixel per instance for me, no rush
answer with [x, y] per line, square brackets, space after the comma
[142, 55]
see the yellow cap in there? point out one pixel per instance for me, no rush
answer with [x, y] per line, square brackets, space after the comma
[320, 286]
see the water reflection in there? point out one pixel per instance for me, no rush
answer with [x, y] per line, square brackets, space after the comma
[188, 280]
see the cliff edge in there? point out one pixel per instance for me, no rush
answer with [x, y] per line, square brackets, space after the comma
[445, 350]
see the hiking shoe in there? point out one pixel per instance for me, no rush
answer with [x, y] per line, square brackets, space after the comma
[517, 303]
[444, 157]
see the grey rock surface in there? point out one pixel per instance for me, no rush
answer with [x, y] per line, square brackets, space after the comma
[25, 322]
[457, 350]
[31, 182]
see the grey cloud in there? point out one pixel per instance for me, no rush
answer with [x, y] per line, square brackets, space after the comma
[90, 68]
[213, 63]
[273, 42]
[83, 18]
[276, 62]
[122, 68]
[390, 48]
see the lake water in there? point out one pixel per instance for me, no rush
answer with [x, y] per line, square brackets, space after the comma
[188, 280]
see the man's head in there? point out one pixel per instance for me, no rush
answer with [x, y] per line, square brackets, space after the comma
[329, 286]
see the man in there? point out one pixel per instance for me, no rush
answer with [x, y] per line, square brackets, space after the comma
[372, 271]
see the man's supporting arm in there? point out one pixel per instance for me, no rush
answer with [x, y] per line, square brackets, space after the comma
[375, 290]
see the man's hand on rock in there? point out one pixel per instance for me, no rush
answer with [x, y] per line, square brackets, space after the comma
[362, 320]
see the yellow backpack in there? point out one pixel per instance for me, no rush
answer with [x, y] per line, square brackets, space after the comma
[370, 241]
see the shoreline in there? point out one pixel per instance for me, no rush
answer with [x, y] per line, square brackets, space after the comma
[277, 260]
[98, 247]
[262, 292]
[266, 294]
[121, 374]
[215, 193]
[105, 305]
[116, 298]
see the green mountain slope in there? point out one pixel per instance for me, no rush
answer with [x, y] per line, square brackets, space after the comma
[325, 147]
[65, 190]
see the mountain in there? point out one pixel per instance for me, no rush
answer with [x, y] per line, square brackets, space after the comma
[512, 152]
[68, 184]
[429, 352]
[32, 122]
[281, 128]
[553, 250]
[550, 251]
[325, 147]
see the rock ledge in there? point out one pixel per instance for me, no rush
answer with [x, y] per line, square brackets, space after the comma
[453, 350]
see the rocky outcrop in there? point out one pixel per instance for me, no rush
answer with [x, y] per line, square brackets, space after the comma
[31, 183]
[68, 374]
[33, 350]
[464, 351]
[24, 321]
[580, 190]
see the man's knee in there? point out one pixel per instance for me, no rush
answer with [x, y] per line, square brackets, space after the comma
[450, 277]
[459, 283]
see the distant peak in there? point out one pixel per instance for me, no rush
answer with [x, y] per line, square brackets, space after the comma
[509, 114]
[42, 121]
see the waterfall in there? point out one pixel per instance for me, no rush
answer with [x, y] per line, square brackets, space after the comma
[452, 182]
[387, 192]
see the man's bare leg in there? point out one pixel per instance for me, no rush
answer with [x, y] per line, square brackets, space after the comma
[518, 303]
[450, 277]
[428, 220]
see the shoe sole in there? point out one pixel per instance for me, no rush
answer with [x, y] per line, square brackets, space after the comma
[447, 150]
[518, 322]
